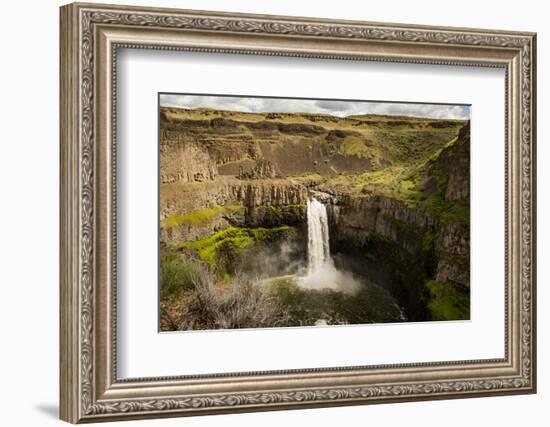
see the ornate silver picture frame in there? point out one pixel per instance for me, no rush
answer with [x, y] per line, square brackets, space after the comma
[91, 36]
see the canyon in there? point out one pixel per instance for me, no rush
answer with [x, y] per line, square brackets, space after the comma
[395, 190]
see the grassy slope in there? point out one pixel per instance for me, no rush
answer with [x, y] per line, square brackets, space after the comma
[221, 249]
[403, 181]
[396, 141]
[199, 216]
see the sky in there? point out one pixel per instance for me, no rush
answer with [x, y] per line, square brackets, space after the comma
[317, 106]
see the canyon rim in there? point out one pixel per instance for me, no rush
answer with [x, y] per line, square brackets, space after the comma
[286, 212]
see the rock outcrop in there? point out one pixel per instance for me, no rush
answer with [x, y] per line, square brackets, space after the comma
[184, 162]
[264, 203]
[362, 217]
[454, 163]
[261, 169]
[241, 143]
[453, 237]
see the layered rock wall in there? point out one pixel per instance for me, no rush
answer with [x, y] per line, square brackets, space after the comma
[185, 162]
[263, 203]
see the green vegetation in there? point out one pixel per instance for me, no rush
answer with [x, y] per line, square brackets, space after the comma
[404, 143]
[200, 216]
[447, 212]
[447, 302]
[221, 250]
[401, 182]
[413, 145]
[176, 273]
[353, 146]
[404, 182]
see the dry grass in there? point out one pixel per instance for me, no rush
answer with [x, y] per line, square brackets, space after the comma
[238, 304]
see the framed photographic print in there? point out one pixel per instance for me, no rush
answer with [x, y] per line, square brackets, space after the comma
[266, 212]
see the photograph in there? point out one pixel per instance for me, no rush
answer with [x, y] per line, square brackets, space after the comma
[290, 212]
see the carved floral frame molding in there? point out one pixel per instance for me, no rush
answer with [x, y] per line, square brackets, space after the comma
[90, 37]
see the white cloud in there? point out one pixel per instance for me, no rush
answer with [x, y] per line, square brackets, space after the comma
[325, 106]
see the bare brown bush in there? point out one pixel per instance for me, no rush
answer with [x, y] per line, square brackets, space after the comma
[239, 304]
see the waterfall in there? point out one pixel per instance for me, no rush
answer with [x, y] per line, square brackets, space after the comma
[317, 237]
[321, 271]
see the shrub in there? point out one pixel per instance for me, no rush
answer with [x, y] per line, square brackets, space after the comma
[176, 273]
[239, 304]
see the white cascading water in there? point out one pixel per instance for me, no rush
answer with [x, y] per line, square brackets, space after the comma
[318, 247]
[321, 272]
